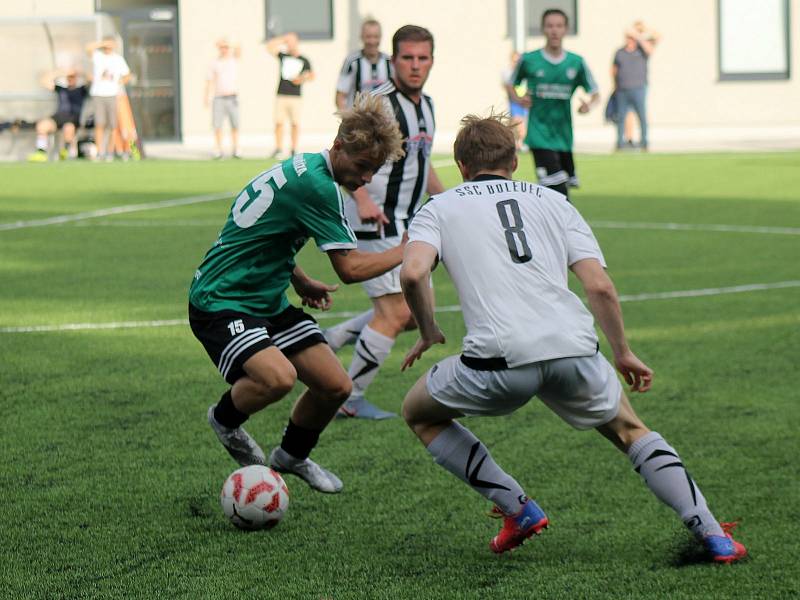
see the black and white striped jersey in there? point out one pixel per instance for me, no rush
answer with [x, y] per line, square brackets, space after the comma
[398, 186]
[358, 74]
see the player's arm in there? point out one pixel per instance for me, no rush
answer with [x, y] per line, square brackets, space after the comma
[353, 266]
[587, 105]
[434, 184]
[604, 304]
[313, 293]
[415, 274]
[368, 211]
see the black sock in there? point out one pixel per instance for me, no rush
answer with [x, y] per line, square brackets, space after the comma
[561, 188]
[227, 414]
[299, 441]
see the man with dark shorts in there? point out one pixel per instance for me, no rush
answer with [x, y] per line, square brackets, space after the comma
[238, 307]
[66, 118]
[552, 76]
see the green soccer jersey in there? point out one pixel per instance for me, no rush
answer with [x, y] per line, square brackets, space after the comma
[249, 267]
[551, 84]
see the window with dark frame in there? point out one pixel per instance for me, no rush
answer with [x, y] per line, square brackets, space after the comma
[747, 55]
[533, 15]
[310, 19]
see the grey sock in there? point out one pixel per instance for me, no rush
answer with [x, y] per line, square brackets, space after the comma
[460, 452]
[663, 472]
[371, 350]
[347, 332]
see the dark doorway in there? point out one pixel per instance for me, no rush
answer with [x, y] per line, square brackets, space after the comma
[150, 40]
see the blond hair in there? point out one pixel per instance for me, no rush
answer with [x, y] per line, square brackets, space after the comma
[370, 127]
[486, 143]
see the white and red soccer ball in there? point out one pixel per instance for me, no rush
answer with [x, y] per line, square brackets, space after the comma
[254, 497]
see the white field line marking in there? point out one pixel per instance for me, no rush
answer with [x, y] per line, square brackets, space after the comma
[151, 223]
[595, 224]
[695, 227]
[115, 210]
[737, 289]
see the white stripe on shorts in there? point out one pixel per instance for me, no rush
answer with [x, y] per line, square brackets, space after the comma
[239, 343]
[303, 330]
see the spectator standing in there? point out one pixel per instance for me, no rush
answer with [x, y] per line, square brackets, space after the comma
[629, 72]
[109, 73]
[66, 118]
[295, 70]
[222, 84]
[365, 69]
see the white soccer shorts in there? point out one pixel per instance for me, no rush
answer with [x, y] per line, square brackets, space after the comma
[584, 391]
[389, 282]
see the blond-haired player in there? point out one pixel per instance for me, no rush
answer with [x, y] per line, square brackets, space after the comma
[238, 307]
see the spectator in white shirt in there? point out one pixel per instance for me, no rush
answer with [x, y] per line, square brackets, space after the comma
[109, 73]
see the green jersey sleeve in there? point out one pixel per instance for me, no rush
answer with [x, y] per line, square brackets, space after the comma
[325, 220]
[585, 79]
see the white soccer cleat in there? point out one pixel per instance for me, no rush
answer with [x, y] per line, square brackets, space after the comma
[315, 476]
[237, 442]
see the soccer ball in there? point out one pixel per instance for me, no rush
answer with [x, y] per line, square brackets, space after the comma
[254, 497]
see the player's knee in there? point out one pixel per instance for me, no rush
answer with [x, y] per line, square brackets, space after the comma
[278, 381]
[337, 391]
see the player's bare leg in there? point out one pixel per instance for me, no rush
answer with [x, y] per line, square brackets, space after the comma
[663, 472]
[270, 376]
[455, 448]
[391, 317]
[328, 386]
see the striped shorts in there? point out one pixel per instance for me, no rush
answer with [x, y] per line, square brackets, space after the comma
[231, 338]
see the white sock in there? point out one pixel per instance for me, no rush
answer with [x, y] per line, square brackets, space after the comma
[371, 350]
[663, 472]
[41, 142]
[460, 452]
[347, 332]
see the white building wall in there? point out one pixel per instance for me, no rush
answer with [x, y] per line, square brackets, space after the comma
[471, 50]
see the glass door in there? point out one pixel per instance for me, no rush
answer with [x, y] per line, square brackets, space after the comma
[151, 49]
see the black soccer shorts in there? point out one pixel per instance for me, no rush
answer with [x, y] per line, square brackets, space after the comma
[555, 169]
[231, 337]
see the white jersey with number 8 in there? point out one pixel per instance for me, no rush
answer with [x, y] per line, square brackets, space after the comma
[507, 246]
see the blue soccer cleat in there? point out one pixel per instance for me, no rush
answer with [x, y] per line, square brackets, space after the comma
[723, 548]
[357, 407]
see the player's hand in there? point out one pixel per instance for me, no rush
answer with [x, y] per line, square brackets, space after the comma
[315, 294]
[369, 212]
[526, 101]
[636, 374]
[423, 343]
[584, 107]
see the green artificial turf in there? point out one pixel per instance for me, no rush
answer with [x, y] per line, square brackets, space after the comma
[110, 474]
